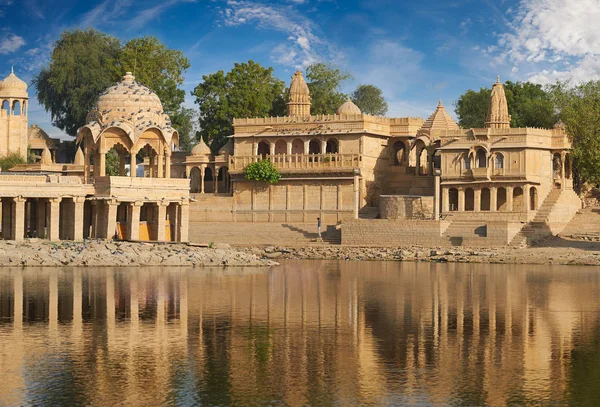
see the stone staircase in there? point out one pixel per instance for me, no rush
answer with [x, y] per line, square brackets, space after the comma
[538, 227]
[585, 225]
[463, 231]
[248, 233]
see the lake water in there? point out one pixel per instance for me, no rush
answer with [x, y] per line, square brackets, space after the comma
[305, 333]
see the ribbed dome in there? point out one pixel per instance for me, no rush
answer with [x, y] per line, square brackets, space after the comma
[348, 108]
[298, 85]
[201, 149]
[439, 120]
[12, 86]
[79, 157]
[130, 106]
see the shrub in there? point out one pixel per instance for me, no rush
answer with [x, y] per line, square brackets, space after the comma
[262, 170]
[10, 160]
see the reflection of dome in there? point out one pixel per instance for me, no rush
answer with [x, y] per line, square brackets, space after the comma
[130, 106]
[201, 148]
[12, 86]
[348, 108]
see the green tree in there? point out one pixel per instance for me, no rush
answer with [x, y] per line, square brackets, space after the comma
[82, 64]
[579, 110]
[262, 170]
[10, 160]
[369, 99]
[248, 90]
[528, 104]
[187, 137]
[324, 82]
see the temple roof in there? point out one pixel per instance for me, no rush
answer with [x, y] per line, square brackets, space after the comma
[348, 108]
[12, 86]
[201, 148]
[497, 114]
[439, 120]
[298, 85]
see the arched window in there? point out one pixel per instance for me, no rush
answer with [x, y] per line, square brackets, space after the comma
[485, 199]
[263, 149]
[499, 161]
[6, 106]
[280, 147]
[466, 162]
[314, 147]
[297, 146]
[16, 110]
[399, 152]
[481, 158]
[469, 199]
[453, 199]
[332, 146]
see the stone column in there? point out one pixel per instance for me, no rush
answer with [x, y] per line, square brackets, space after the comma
[6, 218]
[133, 220]
[202, 178]
[183, 224]
[562, 169]
[111, 218]
[161, 161]
[527, 199]
[445, 200]
[461, 199]
[78, 220]
[151, 166]
[161, 221]
[477, 203]
[271, 149]
[94, 231]
[289, 148]
[168, 165]
[493, 199]
[54, 220]
[509, 199]
[102, 164]
[132, 164]
[323, 147]
[436, 198]
[356, 195]
[18, 218]
[86, 164]
[216, 179]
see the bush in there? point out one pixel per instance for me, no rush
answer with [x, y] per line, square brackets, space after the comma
[9, 161]
[263, 170]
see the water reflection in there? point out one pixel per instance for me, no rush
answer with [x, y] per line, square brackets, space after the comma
[320, 333]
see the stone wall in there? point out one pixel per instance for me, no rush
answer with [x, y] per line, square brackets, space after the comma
[386, 232]
[406, 207]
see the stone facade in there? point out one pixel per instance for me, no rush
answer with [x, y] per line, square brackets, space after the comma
[14, 104]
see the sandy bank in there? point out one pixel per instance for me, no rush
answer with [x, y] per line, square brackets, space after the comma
[551, 251]
[97, 253]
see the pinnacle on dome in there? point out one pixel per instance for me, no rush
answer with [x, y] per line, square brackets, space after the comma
[298, 97]
[497, 114]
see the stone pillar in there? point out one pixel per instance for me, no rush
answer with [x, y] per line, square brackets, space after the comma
[111, 218]
[161, 221]
[527, 199]
[509, 199]
[304, 202]
[151, 166]
[461, 200]
[272, 149]
[168, 165]
[94, 226]
[216, 179]
[202, 178]
[563, 155]
[445, 200]
[493, 199]
[436, 198]
[323, 146]
[18, 218]
[78, 219]
[183, 224]
[133, 220]
[54, 220]
[477, 203]
[7, 220]
[161, 162]
[102, 164]
[356, 195]
[322, 197]
[289, 148]
[132, 164]
[86, 164]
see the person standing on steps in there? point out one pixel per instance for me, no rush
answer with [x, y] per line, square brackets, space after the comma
[319, 227]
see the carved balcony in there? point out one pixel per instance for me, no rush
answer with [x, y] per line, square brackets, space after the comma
[301, 163]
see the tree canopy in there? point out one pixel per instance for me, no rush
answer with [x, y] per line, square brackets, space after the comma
[248, 90]
[85, 62]
[579, 108]
[528, 104]
[369, 99]
[324, 82]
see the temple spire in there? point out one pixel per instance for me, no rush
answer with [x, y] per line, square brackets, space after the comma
[299, 96]
[497, 114]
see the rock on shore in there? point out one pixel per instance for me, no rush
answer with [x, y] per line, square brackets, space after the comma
[98, 253]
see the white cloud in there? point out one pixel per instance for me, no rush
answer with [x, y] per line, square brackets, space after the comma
[554, 39]
[302, 48]
[11, 43]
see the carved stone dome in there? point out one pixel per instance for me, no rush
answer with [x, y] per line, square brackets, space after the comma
[130, 106]
[298, 85]
[348, 108]
[12, 86]
[201, 149]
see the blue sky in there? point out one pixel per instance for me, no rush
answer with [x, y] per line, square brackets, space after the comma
[417, 52]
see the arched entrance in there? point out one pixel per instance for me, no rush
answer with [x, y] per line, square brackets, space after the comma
[469, 199]
[314, 147]
[501, 204]
[223, 181]
[297, 146]
[209, 181]
[195, 180]
[518, 200]
[332, 146]
[399, 152]
[485, 199]
[533, 198]
[263, 149]
[481, 158]
[453, 199]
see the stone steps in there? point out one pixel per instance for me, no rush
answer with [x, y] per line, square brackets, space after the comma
[538, 224]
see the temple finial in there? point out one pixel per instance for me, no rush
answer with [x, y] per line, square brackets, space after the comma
[498, 79]
[12, 69]
[440, 104]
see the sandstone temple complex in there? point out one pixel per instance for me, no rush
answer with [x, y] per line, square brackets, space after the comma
[381, 181]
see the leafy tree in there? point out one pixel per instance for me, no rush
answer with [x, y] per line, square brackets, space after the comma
[112, 163]
[10, 160]
[528, 104]
[184, 118]
[324, 82]
[82, 64]
[369, 99]
[262, 170]
[579, 109]
[248, 90]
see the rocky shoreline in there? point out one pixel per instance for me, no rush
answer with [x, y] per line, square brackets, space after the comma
[99, 253]
[554, 252]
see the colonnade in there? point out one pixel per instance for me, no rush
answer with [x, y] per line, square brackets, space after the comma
[296, 146]
[521, 198]
[198, 175]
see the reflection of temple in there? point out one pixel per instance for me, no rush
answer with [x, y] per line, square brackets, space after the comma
[407, 333]
[84, 199]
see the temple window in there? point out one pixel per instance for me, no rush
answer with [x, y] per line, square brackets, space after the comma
[499, 161]
[481, 158]
[467, 162]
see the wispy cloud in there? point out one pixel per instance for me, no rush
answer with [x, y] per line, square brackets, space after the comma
[10, 43]
[302, 46]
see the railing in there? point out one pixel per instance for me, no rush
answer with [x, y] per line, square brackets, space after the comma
[300, 161]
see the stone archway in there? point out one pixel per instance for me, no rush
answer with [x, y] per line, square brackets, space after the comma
[453, 199]
[501, 204]
[195, 180]
[209, 181]
[485, 199]
[263, 149]
[469, 199]
[518, 200]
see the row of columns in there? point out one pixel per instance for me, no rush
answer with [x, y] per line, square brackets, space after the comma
[159, 164]
[289, 144]
[493, 198]
[215, 180]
